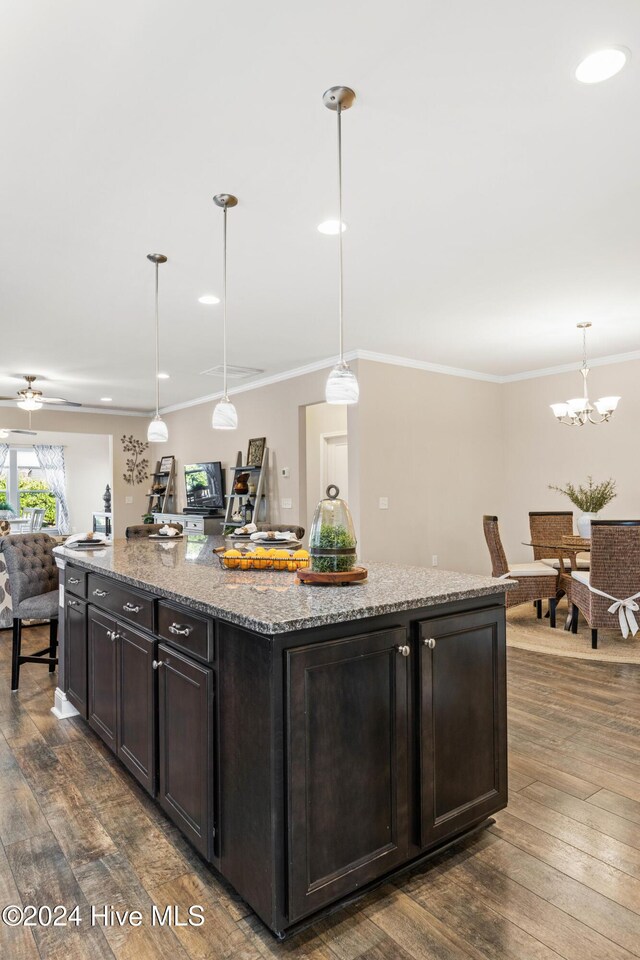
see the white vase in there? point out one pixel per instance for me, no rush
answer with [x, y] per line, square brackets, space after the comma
[584, 524]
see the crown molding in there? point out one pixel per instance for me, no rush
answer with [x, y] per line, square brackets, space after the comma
[426, 365]
[571, 367]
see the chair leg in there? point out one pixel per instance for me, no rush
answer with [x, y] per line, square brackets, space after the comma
[15, 653]
[594, 639]
[552, 612]
[53, 643]
[539, 609]
[574, 619]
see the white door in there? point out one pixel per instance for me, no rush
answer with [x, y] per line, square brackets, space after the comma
[334, 463]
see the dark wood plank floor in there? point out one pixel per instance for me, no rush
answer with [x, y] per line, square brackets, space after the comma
[557, 876]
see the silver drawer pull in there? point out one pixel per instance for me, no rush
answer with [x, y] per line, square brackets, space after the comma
[129, 608]
[404, 650]
[429, 643]
[73, 580]
[113, 635]
[100, 593]
[179, 630]
[72, 603]
[157, 663]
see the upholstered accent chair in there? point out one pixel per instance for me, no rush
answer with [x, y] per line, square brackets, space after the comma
[537, 581]
[612, 587]
[551, 526]
[33, 582]
[140, 530]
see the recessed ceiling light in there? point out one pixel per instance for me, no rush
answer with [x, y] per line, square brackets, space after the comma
[106, 399]
[209, 298]
[164, 376]
[331, 227]
[602, 64]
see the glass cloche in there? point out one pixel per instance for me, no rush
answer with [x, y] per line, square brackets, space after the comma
[332, 541]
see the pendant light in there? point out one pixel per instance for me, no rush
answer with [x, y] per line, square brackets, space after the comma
[342, 385]
[157, 432]
[576, 412]
[224, 413]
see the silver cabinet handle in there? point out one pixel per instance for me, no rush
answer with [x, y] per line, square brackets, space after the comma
[113, 635]
[429, 643]
[73, 580]
[404, 650]
[100, 593]
[179, 630]
[157, 663]
[72, 603]
[129, 608]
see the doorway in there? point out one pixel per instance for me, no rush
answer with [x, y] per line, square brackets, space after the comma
[327, 446]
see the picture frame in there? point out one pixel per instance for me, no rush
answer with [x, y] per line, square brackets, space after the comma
[165, 464]
[255, 451]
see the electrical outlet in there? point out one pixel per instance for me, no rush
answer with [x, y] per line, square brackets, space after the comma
[285, 472]
[383, 503]
[434, 560]
[128, 499]
[286, 503]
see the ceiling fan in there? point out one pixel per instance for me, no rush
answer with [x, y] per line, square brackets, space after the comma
[31, 399]
[5, 431]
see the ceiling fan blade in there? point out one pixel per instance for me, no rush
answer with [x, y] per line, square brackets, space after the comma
[68, 403]
[15, 398]
[30, 433]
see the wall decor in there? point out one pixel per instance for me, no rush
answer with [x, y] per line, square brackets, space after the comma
[165, 465]
[137, 465]
[255, 451]
[106, 497]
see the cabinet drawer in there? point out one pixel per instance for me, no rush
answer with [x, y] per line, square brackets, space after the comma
[126, 603]
[186, 631]
[75, 581]
[193, 524]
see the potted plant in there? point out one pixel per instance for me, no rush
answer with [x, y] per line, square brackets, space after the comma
[590, 499]
[147, 518]
[6, 510]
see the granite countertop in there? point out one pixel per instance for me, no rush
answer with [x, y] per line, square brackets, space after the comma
[267, 601]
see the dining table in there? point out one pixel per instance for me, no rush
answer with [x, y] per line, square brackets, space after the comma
[562, 549]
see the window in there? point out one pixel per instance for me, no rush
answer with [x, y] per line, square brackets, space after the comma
[23, 483]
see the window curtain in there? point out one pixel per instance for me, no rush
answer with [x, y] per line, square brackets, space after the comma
[4, 451]
[51, 460]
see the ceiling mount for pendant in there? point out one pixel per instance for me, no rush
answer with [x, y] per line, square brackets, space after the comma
[156, 257]
[225, 200]
[335, 97]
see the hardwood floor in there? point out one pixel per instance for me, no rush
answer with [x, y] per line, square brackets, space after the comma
[557, 876]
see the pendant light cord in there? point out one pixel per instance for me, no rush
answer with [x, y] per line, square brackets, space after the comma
[585, 369]
[157, 348]
[340, 284]
[224, 302]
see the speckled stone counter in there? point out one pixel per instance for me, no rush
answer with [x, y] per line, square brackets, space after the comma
[273, 602]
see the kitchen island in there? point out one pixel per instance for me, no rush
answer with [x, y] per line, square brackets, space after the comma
[308, 741]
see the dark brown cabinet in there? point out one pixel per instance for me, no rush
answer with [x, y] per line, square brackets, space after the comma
[121, 693]
[462, 721]
[186, 745]
[75, 654]
[347, 768]
[102, 676]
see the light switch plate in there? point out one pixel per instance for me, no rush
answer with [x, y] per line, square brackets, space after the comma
[128, 499]
[286, 503]
[285, 472]
[383, 503]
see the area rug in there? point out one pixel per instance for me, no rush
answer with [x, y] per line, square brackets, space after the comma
[526, 632]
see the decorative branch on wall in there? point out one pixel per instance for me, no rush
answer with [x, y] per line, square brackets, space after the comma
[137, 468]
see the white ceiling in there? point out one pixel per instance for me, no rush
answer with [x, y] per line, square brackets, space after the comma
[493, 202]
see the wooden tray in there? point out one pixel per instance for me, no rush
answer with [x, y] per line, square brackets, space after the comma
[307, 575]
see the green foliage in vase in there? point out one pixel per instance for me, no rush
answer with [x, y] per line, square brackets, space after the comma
[333, 538]
[590, 498]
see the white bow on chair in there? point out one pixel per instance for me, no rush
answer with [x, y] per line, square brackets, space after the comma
[626, 610]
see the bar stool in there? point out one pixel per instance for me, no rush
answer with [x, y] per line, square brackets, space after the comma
[33, 584]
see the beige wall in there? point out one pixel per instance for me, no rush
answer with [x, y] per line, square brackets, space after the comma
[541, 451]
[113, 426]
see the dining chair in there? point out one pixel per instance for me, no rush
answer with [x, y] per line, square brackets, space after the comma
[33, 583]
[608, 595]
[536, 580]
[141, 530]
[549, 526]
[35, 518]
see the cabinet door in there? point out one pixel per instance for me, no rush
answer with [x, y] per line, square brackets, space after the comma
[185, 734]
[102, 676]
[463, 723]
[347, 765]
[137, 705]
[75, 653]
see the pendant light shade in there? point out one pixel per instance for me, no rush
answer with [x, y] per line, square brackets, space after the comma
[224, 413]
[157, 431]
[342, 385]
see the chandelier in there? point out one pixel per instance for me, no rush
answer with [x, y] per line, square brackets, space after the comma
[576, 412]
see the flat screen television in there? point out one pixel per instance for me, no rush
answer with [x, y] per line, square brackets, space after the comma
[204, 483]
